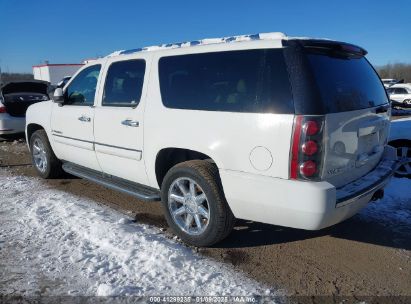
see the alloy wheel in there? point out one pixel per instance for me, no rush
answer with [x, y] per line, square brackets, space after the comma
[188, 206]
[39, 155]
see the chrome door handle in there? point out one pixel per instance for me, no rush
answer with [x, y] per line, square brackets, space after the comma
[84, 118]
[130, 123]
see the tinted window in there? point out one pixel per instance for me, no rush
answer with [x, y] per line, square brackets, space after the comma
[400, 91]
[124, 83]
[346, 84]
[82, 90]
[253, 81]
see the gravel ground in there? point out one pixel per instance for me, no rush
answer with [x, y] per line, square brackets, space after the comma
[367, 255]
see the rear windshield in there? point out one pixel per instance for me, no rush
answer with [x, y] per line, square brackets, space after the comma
[346, 84]
[253, 81]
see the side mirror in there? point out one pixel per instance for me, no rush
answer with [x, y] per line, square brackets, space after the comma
[58, 96]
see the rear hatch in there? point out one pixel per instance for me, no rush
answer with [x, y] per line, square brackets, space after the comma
[18, 96]
[343, 89]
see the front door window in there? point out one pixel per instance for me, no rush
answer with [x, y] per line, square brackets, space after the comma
[82, 90]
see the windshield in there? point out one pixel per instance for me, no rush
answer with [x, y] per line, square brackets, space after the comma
[346, 83]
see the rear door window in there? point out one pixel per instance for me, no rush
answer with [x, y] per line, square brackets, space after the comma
[254, 81]
[400, 91]
[124, 83]
[346, 83]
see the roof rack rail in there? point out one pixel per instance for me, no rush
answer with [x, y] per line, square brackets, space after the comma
[259, 36]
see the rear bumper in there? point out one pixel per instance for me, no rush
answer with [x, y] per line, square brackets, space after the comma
[367, 184]
[11, 125]
[304, 205]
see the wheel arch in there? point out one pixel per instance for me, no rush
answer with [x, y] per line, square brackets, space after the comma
[168, 157]
[30, 129]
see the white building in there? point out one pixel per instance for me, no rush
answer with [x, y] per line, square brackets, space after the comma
[53, 73]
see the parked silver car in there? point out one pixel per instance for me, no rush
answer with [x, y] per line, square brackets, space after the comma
[400, 95]
[15, 98]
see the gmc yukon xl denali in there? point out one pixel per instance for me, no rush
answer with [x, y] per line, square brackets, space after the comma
[269, 128]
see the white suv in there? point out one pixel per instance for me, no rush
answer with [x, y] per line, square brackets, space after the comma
[400, 95]
[264, 127]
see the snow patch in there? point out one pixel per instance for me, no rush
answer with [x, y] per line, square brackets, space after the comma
[394, 210]
[56, 243]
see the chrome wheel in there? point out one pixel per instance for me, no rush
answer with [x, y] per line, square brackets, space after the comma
[188, 206]
[39, 155]
[404, 157]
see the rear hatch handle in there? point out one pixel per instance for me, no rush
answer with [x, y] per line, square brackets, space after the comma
[382, 109]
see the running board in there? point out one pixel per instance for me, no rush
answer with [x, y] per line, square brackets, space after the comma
[134, 189]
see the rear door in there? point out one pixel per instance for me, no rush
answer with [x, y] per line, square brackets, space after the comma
[354, 144]
[119, 124]
[72, 123]
[356, 117]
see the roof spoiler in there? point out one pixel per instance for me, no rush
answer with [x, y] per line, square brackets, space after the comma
[326, 45]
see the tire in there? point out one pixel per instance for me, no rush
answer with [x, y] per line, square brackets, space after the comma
[207, 190]
[51, 167]
[404, 155]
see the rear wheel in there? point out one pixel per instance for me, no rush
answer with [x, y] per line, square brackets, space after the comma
[404, 157]
[194, 203]
[44, 160]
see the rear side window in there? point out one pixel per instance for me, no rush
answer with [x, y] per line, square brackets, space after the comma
[254, 81]
[346, 84]
[124, 83]
[400, 91]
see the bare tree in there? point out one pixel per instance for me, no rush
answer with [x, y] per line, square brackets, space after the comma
[8, 77]
[397, 71]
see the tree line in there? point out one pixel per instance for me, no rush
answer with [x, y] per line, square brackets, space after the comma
[10, 77]
[399, 71]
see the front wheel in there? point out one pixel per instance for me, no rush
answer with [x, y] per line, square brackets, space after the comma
[194, 203]
[44, 160]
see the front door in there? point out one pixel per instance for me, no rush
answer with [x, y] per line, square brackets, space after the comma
[72, 122]
[118, 125]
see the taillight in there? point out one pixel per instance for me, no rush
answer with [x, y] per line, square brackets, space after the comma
[2, 109]
[311, 127]
[308, 168]
[306, 150]
[309, 148]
